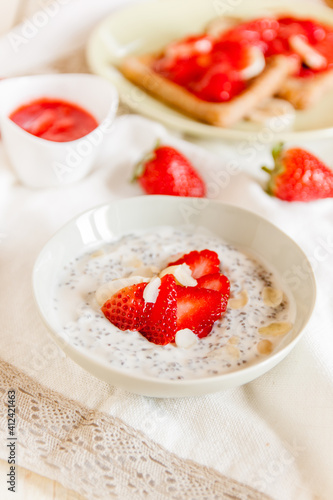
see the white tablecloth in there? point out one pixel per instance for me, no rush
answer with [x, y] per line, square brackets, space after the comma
[274, 434]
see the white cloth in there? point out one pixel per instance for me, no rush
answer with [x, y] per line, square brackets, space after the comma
[276, 433]
[57, 28]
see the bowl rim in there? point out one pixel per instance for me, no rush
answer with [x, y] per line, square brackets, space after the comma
[76, 353]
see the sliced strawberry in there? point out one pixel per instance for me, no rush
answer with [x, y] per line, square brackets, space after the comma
[197, 309]
[125, 309]
[201, 263]
[160, 327]
[217, 282]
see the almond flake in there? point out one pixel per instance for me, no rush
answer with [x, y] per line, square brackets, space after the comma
[151, 291]
[275, 329]
[234, 340]
[182, 274]
[186, 338]
[272, 297]
[265, 346]
[240, 301]
[146, 271]
[228, 352]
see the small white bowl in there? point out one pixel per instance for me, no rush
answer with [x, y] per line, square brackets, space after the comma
[42, 163]
[232, 224]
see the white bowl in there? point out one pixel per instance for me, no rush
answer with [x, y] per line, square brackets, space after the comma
[42, 163]
[234, 225]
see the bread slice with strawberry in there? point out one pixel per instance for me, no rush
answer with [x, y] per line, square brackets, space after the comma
[139, 70]
[221, 75]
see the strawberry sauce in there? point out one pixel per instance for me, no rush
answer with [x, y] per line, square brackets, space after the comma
[54, 120]
[208, 69]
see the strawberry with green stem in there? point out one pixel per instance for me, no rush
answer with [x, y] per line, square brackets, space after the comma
[298, 175]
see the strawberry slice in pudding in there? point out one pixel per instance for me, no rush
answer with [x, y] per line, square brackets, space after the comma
[198, 309]
[125, 308]
[161, 317]
[165, 306]
[200, 263]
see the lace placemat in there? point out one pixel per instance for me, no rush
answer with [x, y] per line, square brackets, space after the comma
[99, 456]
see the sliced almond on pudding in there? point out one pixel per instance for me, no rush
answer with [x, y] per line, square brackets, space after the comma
[240, 301]
[272, 297]
[151, 291]
[226, 352]
[276, 329]
[145, 271]
[182, 274]
[186, 338]
[133, 261]
[232, 351]
[234, 340]
[265, 347]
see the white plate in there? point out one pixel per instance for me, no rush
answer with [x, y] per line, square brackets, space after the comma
[150, 25]
[234, 225]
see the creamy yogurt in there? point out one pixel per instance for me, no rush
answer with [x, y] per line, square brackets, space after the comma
[245, 334]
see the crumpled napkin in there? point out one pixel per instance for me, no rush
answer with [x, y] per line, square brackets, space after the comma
[56, 29]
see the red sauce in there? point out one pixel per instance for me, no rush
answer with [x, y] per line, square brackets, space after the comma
[54, 120]
[212, 73]
[210, 69]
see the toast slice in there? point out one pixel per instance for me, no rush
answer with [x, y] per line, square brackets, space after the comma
[139, 71]
[304, 93]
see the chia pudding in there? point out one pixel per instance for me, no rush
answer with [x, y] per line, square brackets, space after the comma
[258, 319]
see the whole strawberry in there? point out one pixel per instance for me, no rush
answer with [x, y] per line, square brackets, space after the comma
[298, 176]
[166, 171]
